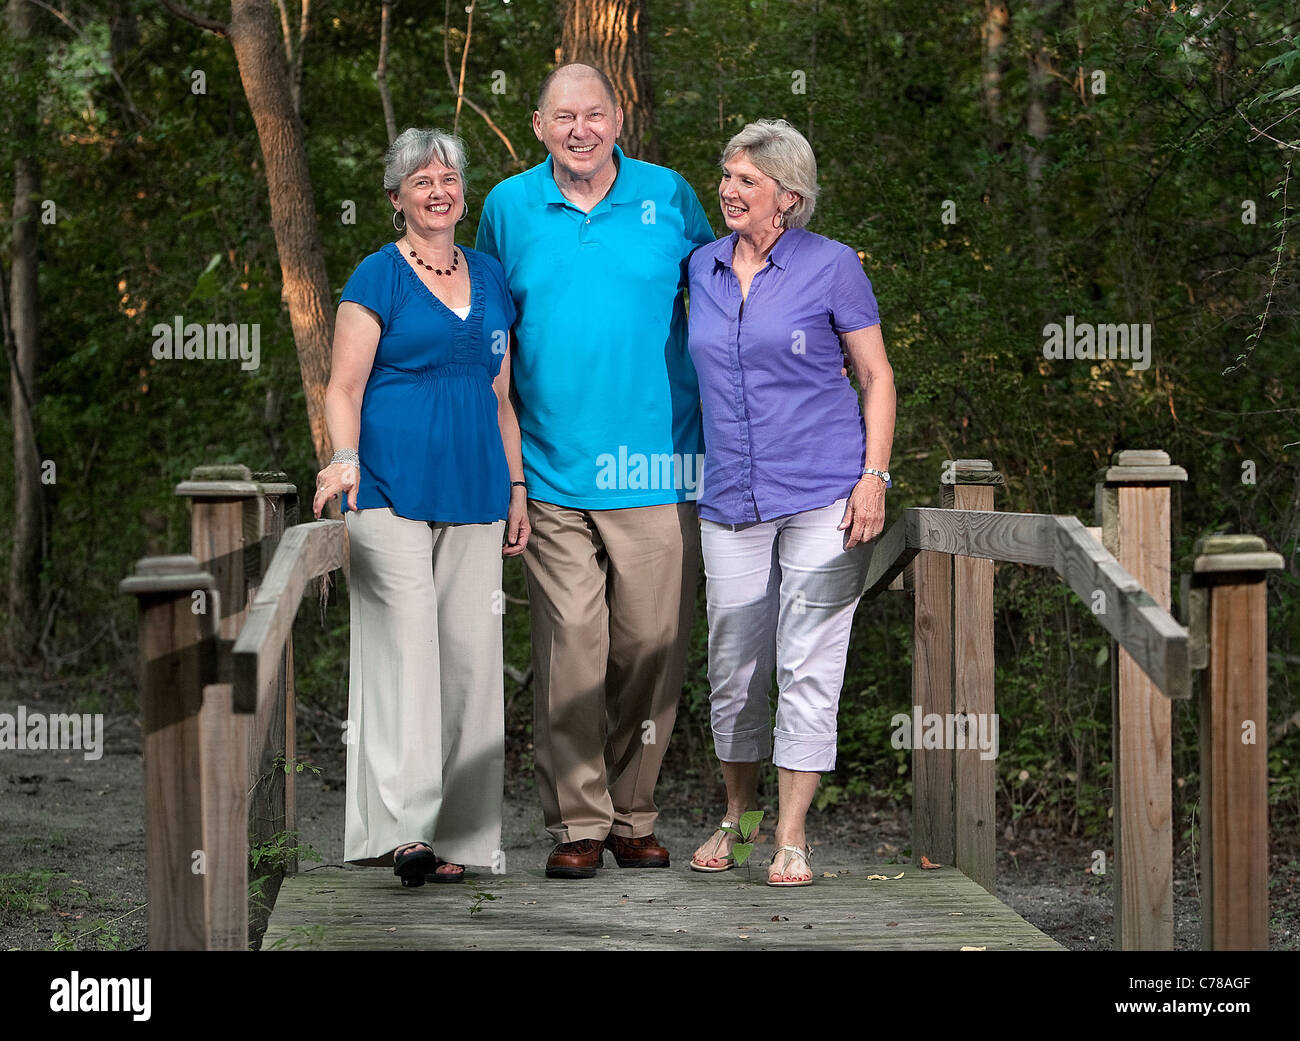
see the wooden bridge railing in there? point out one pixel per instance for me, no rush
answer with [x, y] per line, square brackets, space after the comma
[951, 553]
[217, 697]
[217, 689]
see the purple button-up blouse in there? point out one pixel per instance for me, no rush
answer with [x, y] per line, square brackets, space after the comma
[783, 430]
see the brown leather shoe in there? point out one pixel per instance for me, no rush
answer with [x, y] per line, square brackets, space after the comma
[641, 852]
[575, 859]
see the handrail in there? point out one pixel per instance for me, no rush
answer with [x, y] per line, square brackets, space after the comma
[305, 552]
[1155, 640]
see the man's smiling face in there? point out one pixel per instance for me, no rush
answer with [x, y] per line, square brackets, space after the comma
[578, 127]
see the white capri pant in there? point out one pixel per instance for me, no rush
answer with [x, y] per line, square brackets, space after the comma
[780, 593]
[426, 709]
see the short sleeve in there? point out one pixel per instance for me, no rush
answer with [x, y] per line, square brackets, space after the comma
[852, 301]
[698, 230]
[372, 286]
[486, 240]
[503, 290]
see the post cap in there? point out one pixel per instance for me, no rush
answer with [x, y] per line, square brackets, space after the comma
[1142, 466]
[165, 575]
[1234, 553]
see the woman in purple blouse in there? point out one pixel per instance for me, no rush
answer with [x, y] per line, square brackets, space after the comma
[794, 478]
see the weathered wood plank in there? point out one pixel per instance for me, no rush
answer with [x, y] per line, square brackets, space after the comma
[975, 777]
[306, 551]
[176, 660]
[932, 691]
[1021, 538]
[1153, 639]
[1234, 748]
[224, 742]
[890, 555]
[1143, 798]
[676, 909]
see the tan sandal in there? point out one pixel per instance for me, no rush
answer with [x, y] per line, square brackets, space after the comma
[805, 854]
[729, 861]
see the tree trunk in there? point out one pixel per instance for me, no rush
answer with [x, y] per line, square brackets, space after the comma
[306, 291]
[997, 21]
[611, 35]
[1042, 92]
[21, 337]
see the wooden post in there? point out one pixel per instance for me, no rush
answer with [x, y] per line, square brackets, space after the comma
[1135, 507]
[952, 672]
[932, 768]
[974, 775]
[179, 607]
[274, 798]
[1234, 742]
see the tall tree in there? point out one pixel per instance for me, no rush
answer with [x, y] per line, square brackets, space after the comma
[997, 22]
[611, 35]
[22, 342]
[252, 33]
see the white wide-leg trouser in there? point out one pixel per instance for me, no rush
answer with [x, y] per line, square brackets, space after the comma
[426, 716]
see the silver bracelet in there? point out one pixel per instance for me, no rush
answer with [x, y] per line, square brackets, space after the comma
[346, 455]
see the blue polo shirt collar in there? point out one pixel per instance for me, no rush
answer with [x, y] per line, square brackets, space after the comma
[623, 190]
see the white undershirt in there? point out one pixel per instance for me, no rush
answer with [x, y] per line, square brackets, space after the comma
[460, 312]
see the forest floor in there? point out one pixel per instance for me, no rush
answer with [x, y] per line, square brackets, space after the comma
[72, 869]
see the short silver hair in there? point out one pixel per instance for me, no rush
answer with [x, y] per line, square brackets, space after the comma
[415, 148]
[782, 153]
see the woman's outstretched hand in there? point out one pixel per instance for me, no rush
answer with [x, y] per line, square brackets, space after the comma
[517, 527]
[864, 513]
[336, 479]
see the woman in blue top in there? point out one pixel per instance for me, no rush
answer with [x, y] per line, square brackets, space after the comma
[428, 459]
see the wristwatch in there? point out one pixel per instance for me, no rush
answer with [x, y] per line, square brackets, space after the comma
[873, 472]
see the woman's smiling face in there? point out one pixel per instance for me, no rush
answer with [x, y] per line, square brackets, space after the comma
[432, 198]
[749, 198]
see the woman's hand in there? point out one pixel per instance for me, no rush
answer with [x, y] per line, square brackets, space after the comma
[864, 513]
[336, 479]
[517, 527]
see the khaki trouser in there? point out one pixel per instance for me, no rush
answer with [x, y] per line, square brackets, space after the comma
[426, 717]
[612, 598]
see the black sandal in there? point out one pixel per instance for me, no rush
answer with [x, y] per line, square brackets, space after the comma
[454, 876]
[413, 862]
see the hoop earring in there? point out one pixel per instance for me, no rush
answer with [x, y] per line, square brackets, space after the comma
[396, 214]
[778, 220]
[464, 213]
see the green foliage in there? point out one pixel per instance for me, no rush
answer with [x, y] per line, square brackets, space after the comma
[747, 828]
[1136, 216]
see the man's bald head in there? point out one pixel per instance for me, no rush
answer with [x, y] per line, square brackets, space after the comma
[571, 73]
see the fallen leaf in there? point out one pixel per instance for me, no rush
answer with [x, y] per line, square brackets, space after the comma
[881, 878]
[391, 929]
[927, 865]
[890, 925]
[742, 936]
[955, 914]
[779, 918]
[899, 875]
[974, 948]
[829, 874]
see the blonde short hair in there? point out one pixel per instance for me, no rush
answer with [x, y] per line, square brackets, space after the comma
[782, 153]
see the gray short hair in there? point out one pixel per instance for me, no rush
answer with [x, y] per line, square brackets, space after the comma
[415, 148]
[783, 154]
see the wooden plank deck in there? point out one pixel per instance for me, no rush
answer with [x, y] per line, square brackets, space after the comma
[334, 908]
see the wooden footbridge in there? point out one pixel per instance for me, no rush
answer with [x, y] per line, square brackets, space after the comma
[217, 708]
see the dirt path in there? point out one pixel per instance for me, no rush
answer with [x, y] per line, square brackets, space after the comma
[72, 849]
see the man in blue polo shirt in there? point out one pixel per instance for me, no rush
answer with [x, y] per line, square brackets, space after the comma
[594, 246]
